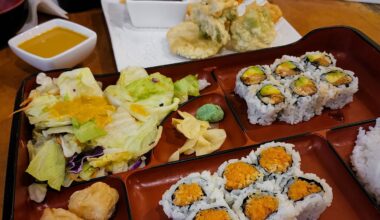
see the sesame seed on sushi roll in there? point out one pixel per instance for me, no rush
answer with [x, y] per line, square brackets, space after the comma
[310, 195]
[337, 87]
[303, 102]
[238, 176]
[215, 211]
[251, 76]
[190, 193]
[256, 204]
[265, 102]
[286, 68]
[317, 60]
[278, 161]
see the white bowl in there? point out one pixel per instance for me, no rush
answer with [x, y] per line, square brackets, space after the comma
[156, 13]
[67, 59]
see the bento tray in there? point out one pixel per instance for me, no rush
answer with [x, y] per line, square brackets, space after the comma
[353, 50]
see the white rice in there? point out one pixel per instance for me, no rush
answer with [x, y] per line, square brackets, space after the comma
[313, 205]
[310, 67]
[285, 208]
[209, 185]
[336, 97]
[365, 159]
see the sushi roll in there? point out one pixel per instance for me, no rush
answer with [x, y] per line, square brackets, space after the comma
[303, 103]
[286, 68]
[265, 102]
[218, 210]
[337, 87]
[310, 195]
[251, 76]
[238, 176]
[278, 161]
[257, 204]
[317, 60]
[190, 193]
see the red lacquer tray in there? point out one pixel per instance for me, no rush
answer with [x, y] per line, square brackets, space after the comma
[353, 50]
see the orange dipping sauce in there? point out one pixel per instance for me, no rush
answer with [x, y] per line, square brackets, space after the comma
[52, 42]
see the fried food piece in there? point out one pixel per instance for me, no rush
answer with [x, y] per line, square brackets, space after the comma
[253, 30]
[275, 11]
[96, 202]
[58, 214]
[186, 40]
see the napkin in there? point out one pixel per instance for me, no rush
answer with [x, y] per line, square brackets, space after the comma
[46, 6]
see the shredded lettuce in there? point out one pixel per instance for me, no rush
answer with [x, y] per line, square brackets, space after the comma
[88, 131]
[185, 87]
[131, 74]
[48, 165]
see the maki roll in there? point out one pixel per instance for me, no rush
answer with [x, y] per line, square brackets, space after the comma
[238, 176]
[278, 161]
[218, 210]
[257, 204]
[265, 102]
[317, 60]
[303, 103]
[309, 194]
[337, 87]
[190, 193]
[286, 68]
[250, 76]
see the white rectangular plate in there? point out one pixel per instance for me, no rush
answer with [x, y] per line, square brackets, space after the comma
[148, 47]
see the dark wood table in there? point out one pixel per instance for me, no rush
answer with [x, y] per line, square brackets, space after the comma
[304, 15]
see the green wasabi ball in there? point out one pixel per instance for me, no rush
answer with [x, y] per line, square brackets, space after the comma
[210, 112]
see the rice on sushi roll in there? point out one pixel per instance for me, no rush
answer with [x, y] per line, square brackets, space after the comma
[310, 195]
[303, 103]
[337, 87]
[365, 159]
[251, 76]
[257, 204]
[317, 60]
[286, 68]
[218, 210]
[238, 176]
[265, 102]
[278, 161]
[190, 193]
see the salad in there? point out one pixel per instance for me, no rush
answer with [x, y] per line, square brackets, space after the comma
[82, 132]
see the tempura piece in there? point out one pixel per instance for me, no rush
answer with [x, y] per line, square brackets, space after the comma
[96, 202]
[275, 11]
[253, 30]
[58, 214]
[186, 40]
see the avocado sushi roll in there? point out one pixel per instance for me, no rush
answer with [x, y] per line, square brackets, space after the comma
[190, 193]
[218, 210]
[250, 77]
[258, 204]
[337, 87]
[303, 103]
[286, 68]
[309, 194]
[318, 60]
[265, 102]
[238, 176]
[278, 161]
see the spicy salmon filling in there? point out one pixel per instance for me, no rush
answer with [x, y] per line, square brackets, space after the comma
[300, 188]
[275, 160]
[240, 175]
[260, 207]
[187, 194]
[212, 214]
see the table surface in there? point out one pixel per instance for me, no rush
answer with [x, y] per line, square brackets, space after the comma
[304, 15]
